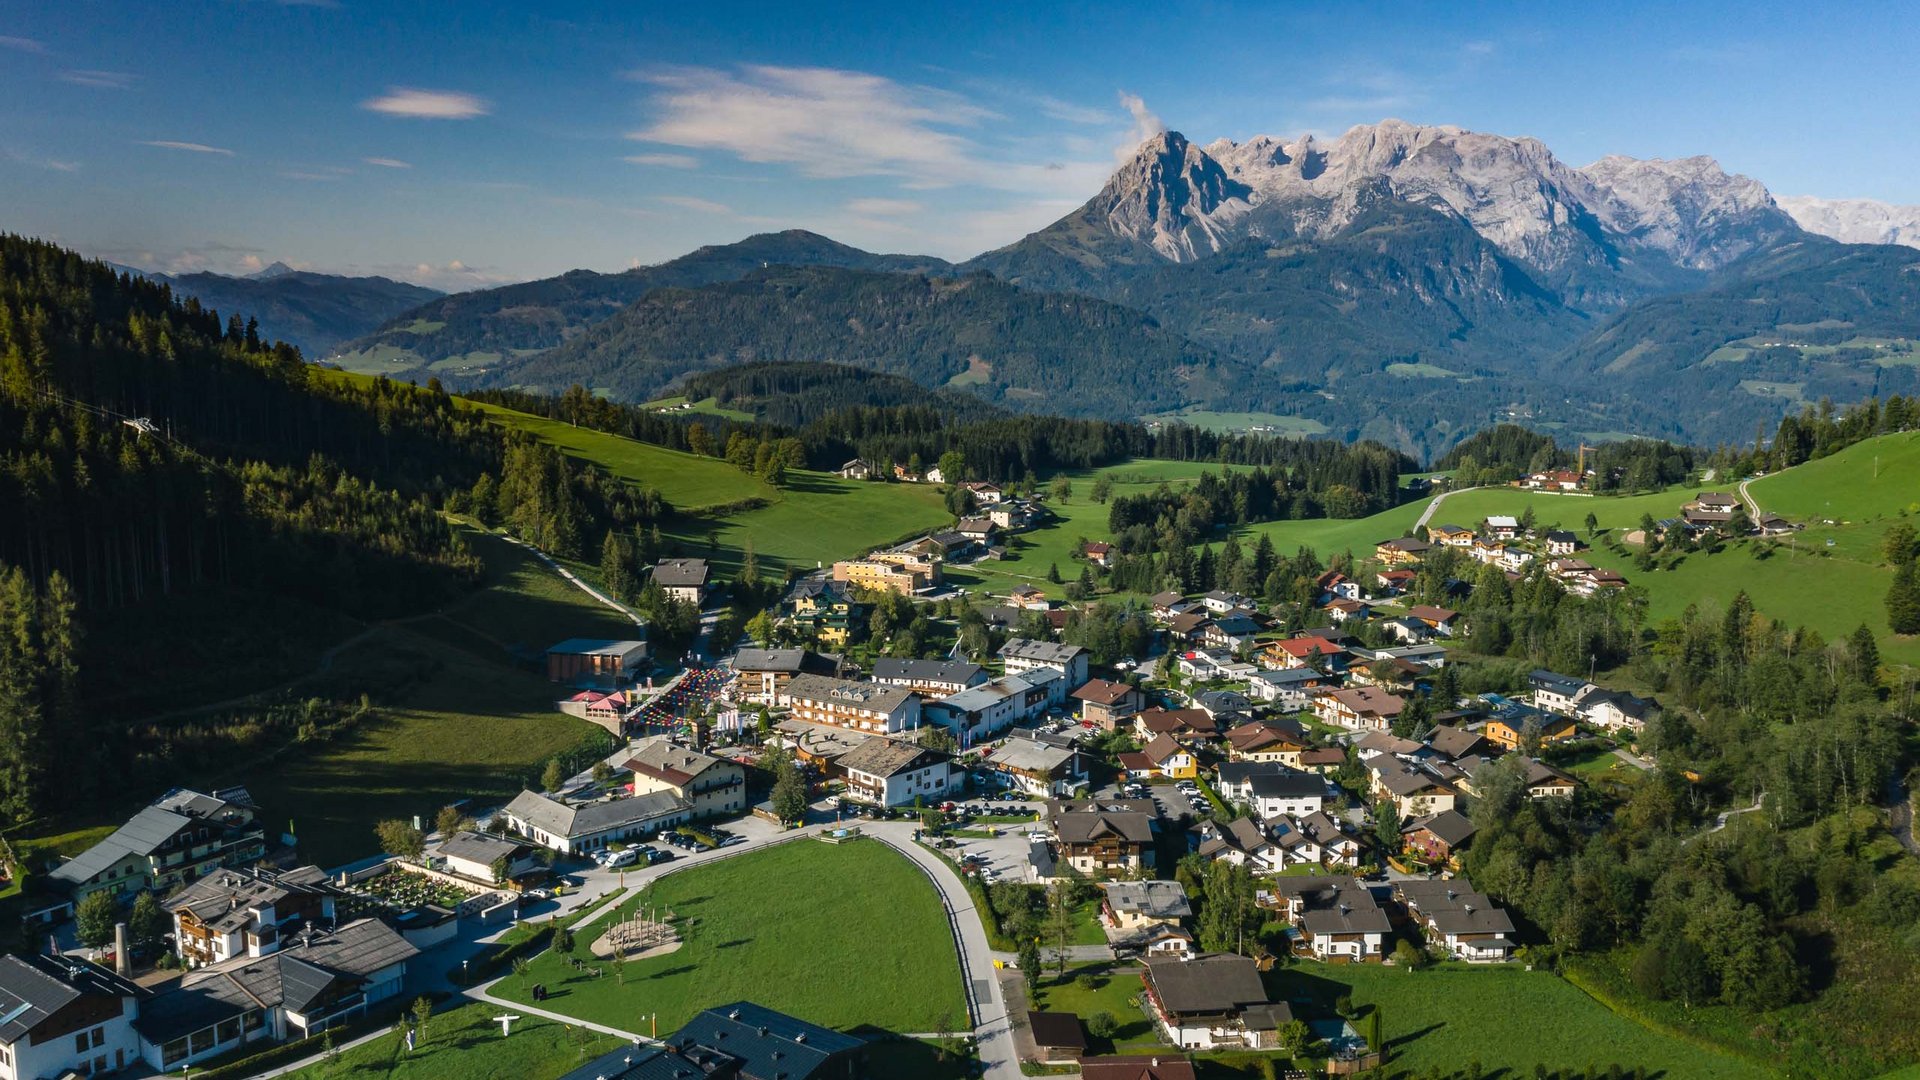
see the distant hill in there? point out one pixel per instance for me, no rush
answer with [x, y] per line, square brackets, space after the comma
[491, 325]
[1033, 351]
[312, 311]
[796, 394]
[1815, 319]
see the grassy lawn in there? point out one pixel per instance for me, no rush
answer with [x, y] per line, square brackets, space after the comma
[1230, 422]
[1503, 1016]
[814, 518]
[1112, 991]
[465, 1044]
[471, 729]
[841, 935]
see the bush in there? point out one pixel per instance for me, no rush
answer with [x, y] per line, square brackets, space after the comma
[1102, 1025]
[1088, 981]
[1408, 955]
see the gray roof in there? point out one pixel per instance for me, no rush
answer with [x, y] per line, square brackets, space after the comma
[581, 646]
[1454, 908]
[225, 899]
[788, 660]
[1083, 821]
[1027, 755]
[891, 669]
[1335, 905]
[307, 965]
[1234, 773]
[1209, 984]
[1564, 685]
[1153, 899]
[479, 847]
[865, 695]
[1291, 784]
[562, 819]
[680, 572]
[881, 756]
[33, 990]
[1451, 826]
[152, 827]
[641, 1062]
[769, 1045]
[1045, 652]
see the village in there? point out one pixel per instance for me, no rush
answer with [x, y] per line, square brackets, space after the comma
[1322, 767]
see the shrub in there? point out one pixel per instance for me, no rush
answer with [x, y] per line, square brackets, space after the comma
[1102, 1025]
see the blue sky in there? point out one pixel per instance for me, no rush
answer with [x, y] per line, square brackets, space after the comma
[459, 144]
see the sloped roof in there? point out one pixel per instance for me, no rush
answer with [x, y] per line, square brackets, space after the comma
[1208, 984]
[768, 1044]
[881, 756]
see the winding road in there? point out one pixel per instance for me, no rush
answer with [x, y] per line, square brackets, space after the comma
[1434, 506]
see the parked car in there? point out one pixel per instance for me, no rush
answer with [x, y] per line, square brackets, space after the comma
[733, 840]
[621, 859]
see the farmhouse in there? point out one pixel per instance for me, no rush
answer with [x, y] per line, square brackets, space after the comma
[486, 858]
[1105, 704]
[1336, 915]
[64, 1017]
[684, 580]
[1038, 768]
[1214, 1000]
[869, 707]
[182, 836]
[1272, 789]
[1024, 654]
[893, 772]
[317, 979]
[932, 677]
[246, 912]
[1401, 551]
[1146, 917]
[1464, 923]
[1363, 708]
[1437, 837]
[764, 673]
[1106, 835]
[574, 829]
[1451, 536]
[710, 786]
[857, 469]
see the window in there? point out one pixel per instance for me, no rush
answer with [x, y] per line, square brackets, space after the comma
[227, 1031]
[99, 1037]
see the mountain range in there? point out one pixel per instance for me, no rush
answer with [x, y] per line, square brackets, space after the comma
[1402, 282]
[313, 311]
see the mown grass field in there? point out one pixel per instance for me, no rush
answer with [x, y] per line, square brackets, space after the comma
[466, 1044]
[841, 935]
[814, 518]
[1508, 1019]
[459, 717]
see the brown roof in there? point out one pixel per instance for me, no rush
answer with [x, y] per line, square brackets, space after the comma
[1211, 984]
[1167, 721]
[1103, 691]
[1168, 1066]
[1161, 748]
[1324, 755]
[1255, 735]
[1060, 1029]
[1430, 613]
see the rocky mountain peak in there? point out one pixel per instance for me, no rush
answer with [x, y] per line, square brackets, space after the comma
[1173, 197]
[1855, 221]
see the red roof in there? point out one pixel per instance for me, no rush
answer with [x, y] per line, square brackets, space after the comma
[1301, 647]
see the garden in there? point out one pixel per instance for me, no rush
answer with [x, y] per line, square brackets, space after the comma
[405, 889]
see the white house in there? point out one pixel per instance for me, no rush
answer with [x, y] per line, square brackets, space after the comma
[1213, 1000]
[1025, 654]
[893, 772]
[62, 1016]
[1337, 915]
[1272, 789]
[246, 912]
[486, 858]
[579, 828]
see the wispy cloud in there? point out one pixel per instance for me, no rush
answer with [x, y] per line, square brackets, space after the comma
[664, 161]
[56, 164]
[428, 104]
[696, 204]
[100, 80]
[22, 44]
[830, 123]
[1146, 124]
[453, 276]
[877, 207]
[191, 147]
[315, 175]
[1055, 109]
[387, 162]
[824, 121]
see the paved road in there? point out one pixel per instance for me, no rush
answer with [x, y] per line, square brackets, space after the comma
[993, 1028]
[1633, 759]
[1434, 506]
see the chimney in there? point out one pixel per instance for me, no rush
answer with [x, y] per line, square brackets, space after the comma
[122, 963]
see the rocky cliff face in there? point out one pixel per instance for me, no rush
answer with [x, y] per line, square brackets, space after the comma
[1644, 221]
[1855, 221]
